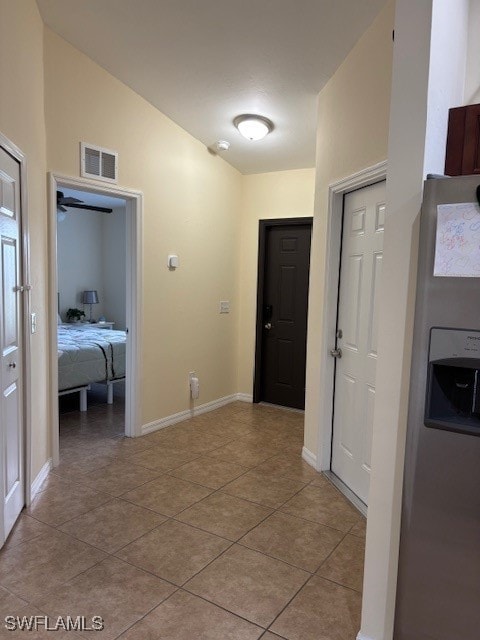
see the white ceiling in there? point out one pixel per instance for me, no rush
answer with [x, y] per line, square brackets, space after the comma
[203, 62]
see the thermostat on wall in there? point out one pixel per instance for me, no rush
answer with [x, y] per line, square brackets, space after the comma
[173, 262]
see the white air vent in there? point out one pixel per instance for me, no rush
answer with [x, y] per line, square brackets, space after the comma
[99, 163]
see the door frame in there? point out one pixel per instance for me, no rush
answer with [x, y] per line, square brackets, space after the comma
[263, 226]
[134, 209]
[336, 194]
[14, 151]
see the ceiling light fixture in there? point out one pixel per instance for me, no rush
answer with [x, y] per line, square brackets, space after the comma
[253, 127]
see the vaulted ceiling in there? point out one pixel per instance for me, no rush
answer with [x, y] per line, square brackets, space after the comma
[203, 62]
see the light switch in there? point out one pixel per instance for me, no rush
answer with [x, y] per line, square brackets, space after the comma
[225, 306]
[173, 262]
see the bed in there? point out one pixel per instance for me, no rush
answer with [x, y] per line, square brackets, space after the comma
[87, 355]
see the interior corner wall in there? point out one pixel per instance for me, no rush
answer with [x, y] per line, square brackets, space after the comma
[79, 260]
[22, 122]
[191, 207]
[352, 134]
[114, 268]
[280, 194]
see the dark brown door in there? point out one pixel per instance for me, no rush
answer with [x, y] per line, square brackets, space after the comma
[284, 263]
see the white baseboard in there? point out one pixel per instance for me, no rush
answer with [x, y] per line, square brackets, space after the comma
[37, 483]
[190, 413]
[244, 397]
[361, 636]
[309, 457]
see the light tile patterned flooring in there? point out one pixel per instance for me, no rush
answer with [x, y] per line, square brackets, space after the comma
[212, 529]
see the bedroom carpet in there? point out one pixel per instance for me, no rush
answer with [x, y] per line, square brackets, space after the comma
[213, 529]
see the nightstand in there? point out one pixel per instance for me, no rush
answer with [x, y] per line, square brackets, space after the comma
[90, 325]
[102, 325]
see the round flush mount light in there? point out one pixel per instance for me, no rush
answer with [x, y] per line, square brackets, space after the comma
[253, 127]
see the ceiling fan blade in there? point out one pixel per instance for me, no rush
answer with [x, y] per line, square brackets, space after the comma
[75, 203]
[68, 201]
[60, 208]
[88, 207]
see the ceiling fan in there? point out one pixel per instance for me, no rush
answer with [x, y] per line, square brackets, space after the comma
[75, 203]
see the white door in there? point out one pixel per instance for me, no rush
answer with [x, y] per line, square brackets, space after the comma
[360, 276]
[11, 457]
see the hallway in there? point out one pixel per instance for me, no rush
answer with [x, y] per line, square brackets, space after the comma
[211, 529]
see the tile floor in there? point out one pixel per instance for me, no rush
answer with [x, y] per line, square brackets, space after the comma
[212, 529]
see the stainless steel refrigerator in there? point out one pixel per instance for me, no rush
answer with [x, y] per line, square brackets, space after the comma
[438, 596]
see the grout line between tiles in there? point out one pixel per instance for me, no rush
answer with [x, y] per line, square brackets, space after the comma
[267, 555]
[339, 584]
[288, 603]
[216, 604]
[286, 449]
[145, 614]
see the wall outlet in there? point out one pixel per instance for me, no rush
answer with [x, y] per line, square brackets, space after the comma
[225, 306]
[194, 385]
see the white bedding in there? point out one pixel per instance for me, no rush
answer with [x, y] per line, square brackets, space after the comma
[89, 355]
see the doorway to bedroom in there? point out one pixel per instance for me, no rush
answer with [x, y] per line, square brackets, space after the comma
[95, 273]
[91, 277]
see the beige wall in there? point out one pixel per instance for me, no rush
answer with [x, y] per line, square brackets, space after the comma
[191, 203]
[352, 134]
[282, 194]
[21, 120]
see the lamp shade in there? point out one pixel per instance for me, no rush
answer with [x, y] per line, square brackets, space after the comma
[90, 297]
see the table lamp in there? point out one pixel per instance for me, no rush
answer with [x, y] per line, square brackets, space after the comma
[90, 297]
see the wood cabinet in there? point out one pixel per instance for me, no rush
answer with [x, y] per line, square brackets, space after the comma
[463, 141]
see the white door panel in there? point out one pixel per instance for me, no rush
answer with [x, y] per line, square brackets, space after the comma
[373, 319]
[360, 278]
[11, 355]
[353, 299]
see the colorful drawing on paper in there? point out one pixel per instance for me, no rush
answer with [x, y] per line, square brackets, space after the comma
[457, 250]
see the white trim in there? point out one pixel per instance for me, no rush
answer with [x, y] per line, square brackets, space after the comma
[14, 151]
[134, 209]
[205, 408]
[188, 413]
[43, 473]
[347, 492]
[244, 397]
[360, 636]
[134, 303]
[281, 406]
[309, 457]
[336, 193]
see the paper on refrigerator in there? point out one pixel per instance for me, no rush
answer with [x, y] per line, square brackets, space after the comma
[457, 249]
